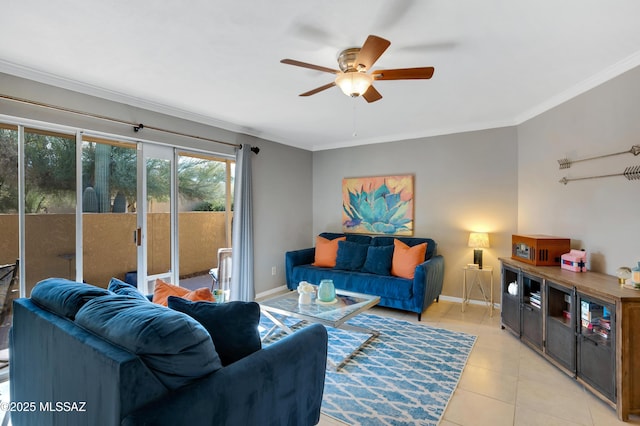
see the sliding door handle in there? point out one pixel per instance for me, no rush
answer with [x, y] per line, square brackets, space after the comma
[137, 237]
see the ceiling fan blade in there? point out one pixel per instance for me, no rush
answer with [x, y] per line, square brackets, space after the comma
[371, 50]
[371, 95]
[318, 89]
[310, 66]
[423, 73]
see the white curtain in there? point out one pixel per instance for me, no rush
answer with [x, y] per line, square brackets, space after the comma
[242, 287]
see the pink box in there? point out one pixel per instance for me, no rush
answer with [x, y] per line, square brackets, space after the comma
[575, 260]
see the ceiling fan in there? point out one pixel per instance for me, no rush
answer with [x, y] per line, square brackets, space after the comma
[354, 63]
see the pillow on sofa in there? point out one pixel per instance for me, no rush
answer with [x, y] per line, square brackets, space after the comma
[163, 290]
[173, 345]
[326, 252]
[405, 259]
[125, 289]
[64, 297]
[410, 241]
[378, 260]
[352, 238]
[351, 256]
[233, 326]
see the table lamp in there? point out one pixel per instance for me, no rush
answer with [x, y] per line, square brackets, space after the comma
[478, 241]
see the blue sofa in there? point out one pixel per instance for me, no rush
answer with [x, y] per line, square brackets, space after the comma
[410, 295]
[82, 355]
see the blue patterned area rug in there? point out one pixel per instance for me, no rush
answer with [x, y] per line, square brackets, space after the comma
[405, 376]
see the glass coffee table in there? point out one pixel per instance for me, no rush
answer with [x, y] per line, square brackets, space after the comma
[335, 315]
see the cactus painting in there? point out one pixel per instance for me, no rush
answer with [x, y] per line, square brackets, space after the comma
[378, 205]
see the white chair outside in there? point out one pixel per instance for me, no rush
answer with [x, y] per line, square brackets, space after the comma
[221, 276]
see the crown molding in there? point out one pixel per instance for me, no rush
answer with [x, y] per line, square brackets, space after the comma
[114, 96]
[609, 73]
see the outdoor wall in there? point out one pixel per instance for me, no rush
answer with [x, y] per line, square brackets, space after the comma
[463, 182]
[599, 215]
[108, 246]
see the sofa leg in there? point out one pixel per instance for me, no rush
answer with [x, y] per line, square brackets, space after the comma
[437, 299]
[419, 316]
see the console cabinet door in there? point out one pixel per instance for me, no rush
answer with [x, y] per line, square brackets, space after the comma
[532, 298]
[560, 330]
[596, 345]
[510, 301]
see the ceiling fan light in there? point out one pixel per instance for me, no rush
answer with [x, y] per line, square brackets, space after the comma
[354, 83]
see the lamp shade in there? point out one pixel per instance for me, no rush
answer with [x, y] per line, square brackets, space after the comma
[479, 240]
[354, 83]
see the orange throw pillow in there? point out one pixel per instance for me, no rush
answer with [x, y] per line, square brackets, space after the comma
[405, 259]
[326, 251]
[200, 295]
[163, 290]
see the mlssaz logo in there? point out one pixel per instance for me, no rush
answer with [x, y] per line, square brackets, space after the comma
[64, 406]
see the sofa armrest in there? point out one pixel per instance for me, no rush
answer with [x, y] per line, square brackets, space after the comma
[428, 279]
[295, 258]
[282, 383]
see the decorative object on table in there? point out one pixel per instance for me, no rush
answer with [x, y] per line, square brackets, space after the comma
[378, 205]
[305, 290]
[326, 292]
[478, 241]
[219, 295]
[635, 275]
[623, 273]
[575, 260]
[434, 359]
[539, 250]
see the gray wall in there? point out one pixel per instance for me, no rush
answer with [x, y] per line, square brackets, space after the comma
[600, 215]
[463, 182]
[282, 208]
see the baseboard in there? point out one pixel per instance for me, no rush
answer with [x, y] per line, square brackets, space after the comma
[271, 292]
[471, 302]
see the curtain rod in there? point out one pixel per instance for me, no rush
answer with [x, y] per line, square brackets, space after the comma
[136, 126]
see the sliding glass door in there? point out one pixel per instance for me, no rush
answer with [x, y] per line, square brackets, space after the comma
[49, 205]
[109, 219]
[205, 188]
[10, 241]
[157, 244]
[87, 206]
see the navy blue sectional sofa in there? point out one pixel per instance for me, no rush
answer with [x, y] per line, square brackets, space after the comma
[395, 292]
[82, 355]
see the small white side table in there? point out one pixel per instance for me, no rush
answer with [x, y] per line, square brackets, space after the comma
[477, 280]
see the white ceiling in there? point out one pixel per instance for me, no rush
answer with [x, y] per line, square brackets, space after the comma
[497, 62]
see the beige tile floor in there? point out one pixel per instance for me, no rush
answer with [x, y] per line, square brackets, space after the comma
[505, 382]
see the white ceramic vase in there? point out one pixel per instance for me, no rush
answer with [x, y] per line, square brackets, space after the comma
[304, 299]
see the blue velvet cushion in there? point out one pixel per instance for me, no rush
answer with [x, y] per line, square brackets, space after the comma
[174, 346]
[125, 289]
[233, 326]
[64, 297]
[410, 241]
[351, 256]
[354, 238]
[378, 260]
